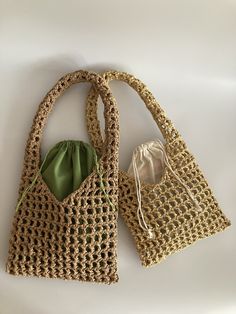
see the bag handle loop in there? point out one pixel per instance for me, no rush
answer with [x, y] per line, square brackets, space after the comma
[111, 144]
[165, 125]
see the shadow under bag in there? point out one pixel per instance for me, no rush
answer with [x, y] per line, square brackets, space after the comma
[172, 214]
[61, 235]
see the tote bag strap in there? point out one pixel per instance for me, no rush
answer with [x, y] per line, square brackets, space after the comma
[111, 144]
[165, 125]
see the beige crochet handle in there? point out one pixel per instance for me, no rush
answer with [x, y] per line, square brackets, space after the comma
[165, 125]
[111, 145]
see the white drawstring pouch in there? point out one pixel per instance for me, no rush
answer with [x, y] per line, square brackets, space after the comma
[148, 162]
[147, 167]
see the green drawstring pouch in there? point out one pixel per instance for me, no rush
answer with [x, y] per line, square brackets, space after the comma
[66, 166]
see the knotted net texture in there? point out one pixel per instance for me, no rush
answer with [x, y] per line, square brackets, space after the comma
[167, 208]
[77, 237]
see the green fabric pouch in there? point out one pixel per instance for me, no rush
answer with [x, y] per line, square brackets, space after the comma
[67, 165]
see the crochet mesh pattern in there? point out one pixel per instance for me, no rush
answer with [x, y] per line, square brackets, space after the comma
[77, 237]
[167, 208]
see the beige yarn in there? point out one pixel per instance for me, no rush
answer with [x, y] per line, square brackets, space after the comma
[77, 237]
[174, 219]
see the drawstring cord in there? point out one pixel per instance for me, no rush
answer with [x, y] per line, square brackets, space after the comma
[140, 214]
[23, 195]
[141, 219]
[102, 186]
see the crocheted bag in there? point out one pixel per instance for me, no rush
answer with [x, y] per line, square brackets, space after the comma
[75, 238]
[178, 210]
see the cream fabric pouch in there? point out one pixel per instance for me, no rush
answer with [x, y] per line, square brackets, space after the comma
[147, 163]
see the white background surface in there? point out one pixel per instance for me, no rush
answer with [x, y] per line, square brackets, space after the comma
[185, 51]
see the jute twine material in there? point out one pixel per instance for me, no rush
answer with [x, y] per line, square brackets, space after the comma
[175, 220]
[77, 237]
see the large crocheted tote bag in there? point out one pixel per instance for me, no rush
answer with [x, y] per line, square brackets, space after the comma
[177, 211]
[75, 238]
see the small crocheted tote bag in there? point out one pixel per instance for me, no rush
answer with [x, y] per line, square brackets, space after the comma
[76, 237]
[172, 214]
